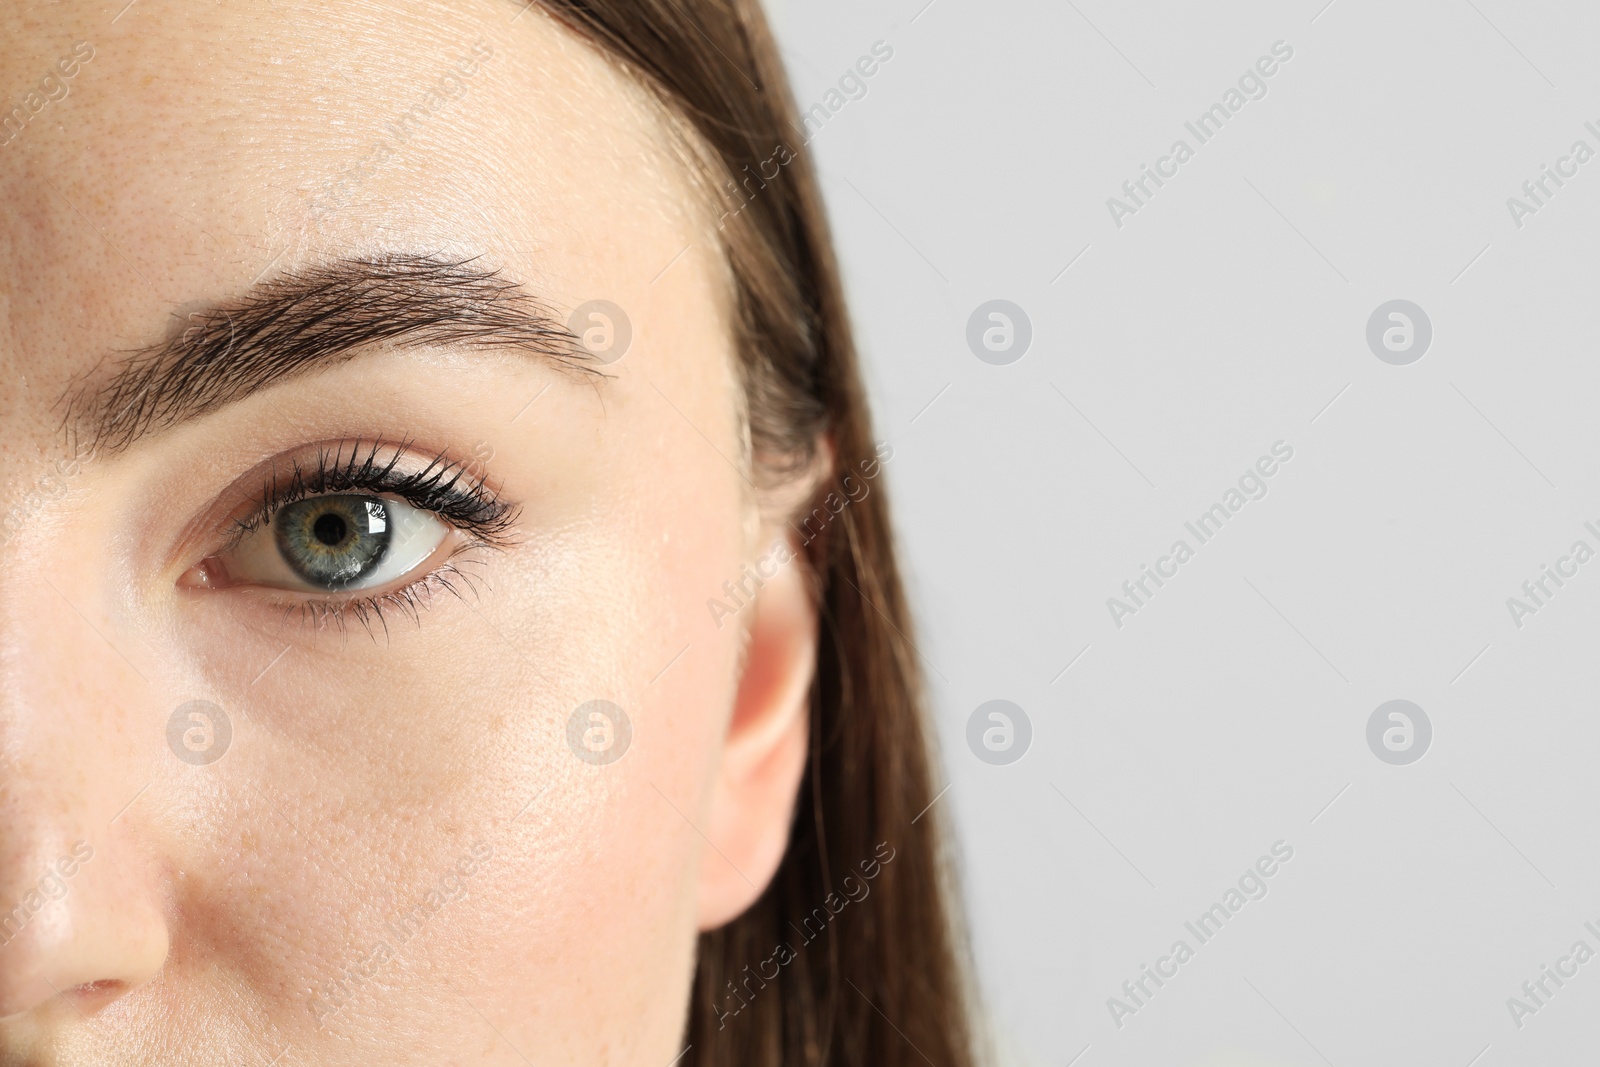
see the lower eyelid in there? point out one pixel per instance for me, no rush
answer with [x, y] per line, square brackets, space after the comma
[455, 571]
[372, 610]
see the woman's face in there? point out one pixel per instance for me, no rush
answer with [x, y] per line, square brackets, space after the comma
[316, 545]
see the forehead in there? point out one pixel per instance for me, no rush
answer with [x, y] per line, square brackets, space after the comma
[176, 151]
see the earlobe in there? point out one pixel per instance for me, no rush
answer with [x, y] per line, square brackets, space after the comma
[764, 752]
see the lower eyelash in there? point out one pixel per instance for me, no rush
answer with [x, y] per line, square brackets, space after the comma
[411, 600]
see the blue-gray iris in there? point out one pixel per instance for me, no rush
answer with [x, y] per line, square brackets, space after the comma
[333, 541]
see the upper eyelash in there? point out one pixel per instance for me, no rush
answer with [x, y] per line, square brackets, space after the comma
[443, 487]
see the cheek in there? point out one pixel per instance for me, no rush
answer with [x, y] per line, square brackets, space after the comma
[607, 896]
[358, 780]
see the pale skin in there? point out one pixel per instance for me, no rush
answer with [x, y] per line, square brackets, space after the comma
[368, 770]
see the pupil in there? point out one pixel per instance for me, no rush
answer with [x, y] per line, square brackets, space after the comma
[330, 529]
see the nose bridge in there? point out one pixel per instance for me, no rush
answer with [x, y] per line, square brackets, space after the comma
[71, 688]
[66, 688]
[47, 684]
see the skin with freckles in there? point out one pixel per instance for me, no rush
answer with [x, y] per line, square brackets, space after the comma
[403, 854]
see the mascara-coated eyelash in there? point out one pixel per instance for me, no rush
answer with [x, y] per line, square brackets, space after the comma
[443, 486]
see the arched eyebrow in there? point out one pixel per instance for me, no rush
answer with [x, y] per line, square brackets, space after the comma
[306, 319]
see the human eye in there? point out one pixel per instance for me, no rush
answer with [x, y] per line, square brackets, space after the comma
[355, 529]
[337, 542]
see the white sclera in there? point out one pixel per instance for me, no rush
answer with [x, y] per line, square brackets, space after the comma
[416, 536]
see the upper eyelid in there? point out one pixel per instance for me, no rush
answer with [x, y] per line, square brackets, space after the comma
[377, 466]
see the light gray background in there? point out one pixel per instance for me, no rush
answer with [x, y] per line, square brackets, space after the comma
[1224, 316]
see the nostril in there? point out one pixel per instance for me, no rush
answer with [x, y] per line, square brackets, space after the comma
[90, 996]
[103, 985]
[99, 944]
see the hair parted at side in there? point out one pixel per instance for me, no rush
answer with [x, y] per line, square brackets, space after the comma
[884, 983]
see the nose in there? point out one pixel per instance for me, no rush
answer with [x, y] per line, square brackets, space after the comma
[81, 914]
[70, 929]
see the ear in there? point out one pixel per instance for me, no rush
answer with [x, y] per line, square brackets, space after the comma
[764, 752]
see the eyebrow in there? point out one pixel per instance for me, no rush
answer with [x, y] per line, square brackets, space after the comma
[307, 319]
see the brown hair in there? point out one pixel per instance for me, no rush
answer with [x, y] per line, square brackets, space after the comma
[880, 983]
